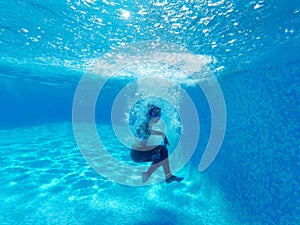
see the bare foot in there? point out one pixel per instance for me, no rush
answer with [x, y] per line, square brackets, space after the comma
[174, 178]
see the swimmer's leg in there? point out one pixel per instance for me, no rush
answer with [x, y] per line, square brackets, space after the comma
[163, 161]
[166, 165]
[146, 175]
[169, 176]
[157, 157]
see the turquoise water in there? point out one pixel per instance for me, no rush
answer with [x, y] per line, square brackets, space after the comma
[48, 182]
[53, 173]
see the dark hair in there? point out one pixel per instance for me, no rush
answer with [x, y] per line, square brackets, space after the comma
[143, 131]
[153, 111]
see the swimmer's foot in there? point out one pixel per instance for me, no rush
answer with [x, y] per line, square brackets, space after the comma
[174, 178]
[145, 177]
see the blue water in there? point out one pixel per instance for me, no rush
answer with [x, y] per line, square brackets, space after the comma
[251, 49]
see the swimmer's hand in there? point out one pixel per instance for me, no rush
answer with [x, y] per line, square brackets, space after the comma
[166, 142]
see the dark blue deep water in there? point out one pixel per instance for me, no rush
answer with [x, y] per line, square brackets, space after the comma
[51, 170]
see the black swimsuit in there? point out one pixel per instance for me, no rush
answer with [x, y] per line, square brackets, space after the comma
[155, 155]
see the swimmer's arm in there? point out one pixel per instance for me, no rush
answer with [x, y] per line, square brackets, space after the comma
[156, 132]
[142, 146]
